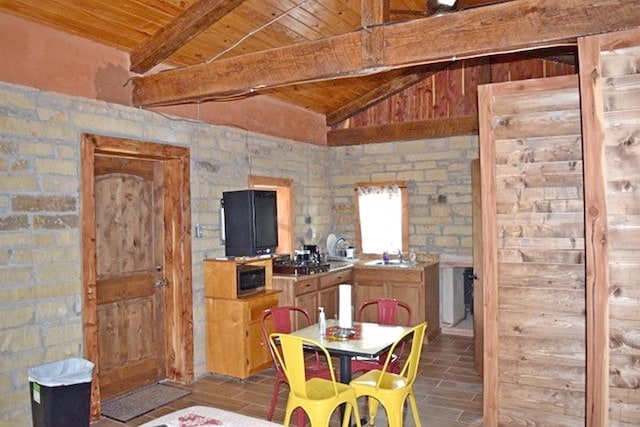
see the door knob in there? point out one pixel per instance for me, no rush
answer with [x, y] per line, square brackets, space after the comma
[160, 282]
[158, 268]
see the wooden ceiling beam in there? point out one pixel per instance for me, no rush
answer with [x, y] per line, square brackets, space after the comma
[380, 93]
[373, 13]
[517, 25]
[184, 27]
[423, 129]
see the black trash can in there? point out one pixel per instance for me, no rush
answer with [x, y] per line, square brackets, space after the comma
[468, 291]
[61, 393]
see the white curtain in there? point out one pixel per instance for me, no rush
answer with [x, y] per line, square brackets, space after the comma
[380, 218]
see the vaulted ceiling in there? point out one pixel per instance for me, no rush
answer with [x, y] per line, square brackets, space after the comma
[330, 56]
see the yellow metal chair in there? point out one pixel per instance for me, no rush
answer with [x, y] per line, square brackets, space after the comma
[318, 397]
[389, 389]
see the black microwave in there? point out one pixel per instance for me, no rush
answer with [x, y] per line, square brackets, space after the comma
[250, 279]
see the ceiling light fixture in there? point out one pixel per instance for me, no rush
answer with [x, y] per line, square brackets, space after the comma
[439, 6]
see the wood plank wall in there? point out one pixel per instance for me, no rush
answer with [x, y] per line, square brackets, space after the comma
[621, 102]
[453, 91]
[535, 302]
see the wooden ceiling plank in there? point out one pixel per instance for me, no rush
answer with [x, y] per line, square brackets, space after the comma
[379, 94]
[318, 18]
[343, 11]
[423, 129]
[195, 19]
[82, 22]
[517, 25]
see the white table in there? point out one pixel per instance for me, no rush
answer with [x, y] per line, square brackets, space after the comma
[374, 340]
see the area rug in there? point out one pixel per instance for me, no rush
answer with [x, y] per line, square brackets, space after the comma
[140, 402]
[206, 416]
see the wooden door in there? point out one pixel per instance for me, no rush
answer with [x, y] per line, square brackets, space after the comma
[609, 83]
[129, 267]
[478, 313]
[176, 236]
[533, 270]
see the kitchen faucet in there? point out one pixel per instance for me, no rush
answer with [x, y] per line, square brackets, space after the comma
[400, 256]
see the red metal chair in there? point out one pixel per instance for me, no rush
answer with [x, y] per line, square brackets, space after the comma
[387, 314]
[281, 319]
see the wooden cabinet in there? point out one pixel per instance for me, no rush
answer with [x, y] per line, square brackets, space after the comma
[235, 345]
[311, 292]
[419, 287]
[306, 296]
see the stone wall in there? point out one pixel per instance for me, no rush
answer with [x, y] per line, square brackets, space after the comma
[40, 241]
[438, 174]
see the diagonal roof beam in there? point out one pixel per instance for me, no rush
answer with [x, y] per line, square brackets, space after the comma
[380, 93]
[184, 27]
[517, 25]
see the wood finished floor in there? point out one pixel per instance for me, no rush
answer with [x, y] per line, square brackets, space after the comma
[448, 391]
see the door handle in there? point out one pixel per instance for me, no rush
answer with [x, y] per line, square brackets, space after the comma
[160, 283]
[158, 268]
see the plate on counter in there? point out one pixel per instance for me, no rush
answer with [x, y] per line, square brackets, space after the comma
[331, 244]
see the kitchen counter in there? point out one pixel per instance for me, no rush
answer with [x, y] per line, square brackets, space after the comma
[422, 261]
[333, 267]
[417, 284]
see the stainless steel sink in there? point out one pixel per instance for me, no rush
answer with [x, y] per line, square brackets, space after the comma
[390, 263]
[338, 264]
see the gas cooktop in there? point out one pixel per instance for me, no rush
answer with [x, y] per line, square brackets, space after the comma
[302, 268]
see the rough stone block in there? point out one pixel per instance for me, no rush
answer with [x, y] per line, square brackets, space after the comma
[447, 241]
[61, 167]
[14, 316]
[60, 334]
[12, 275]
[55, 222]
[14, 222]
[20, 339]
[8, 147]
[28, 148]
[57, 272]
[43, 203]
[54, 310]
[18, 182]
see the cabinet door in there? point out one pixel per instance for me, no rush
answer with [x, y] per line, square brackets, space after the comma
[328, 293]
[412, 294]
[310, 303]
[328, 298]
[366, 290]
[259, 356]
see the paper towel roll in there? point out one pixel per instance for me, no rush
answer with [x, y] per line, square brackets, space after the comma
[344, 306]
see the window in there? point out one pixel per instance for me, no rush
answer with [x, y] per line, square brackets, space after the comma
[382, 219]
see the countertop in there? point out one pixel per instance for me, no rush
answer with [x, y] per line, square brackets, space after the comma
[422, 260]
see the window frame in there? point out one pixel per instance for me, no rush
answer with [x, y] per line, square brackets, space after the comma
[284, 196]
[404, 196]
